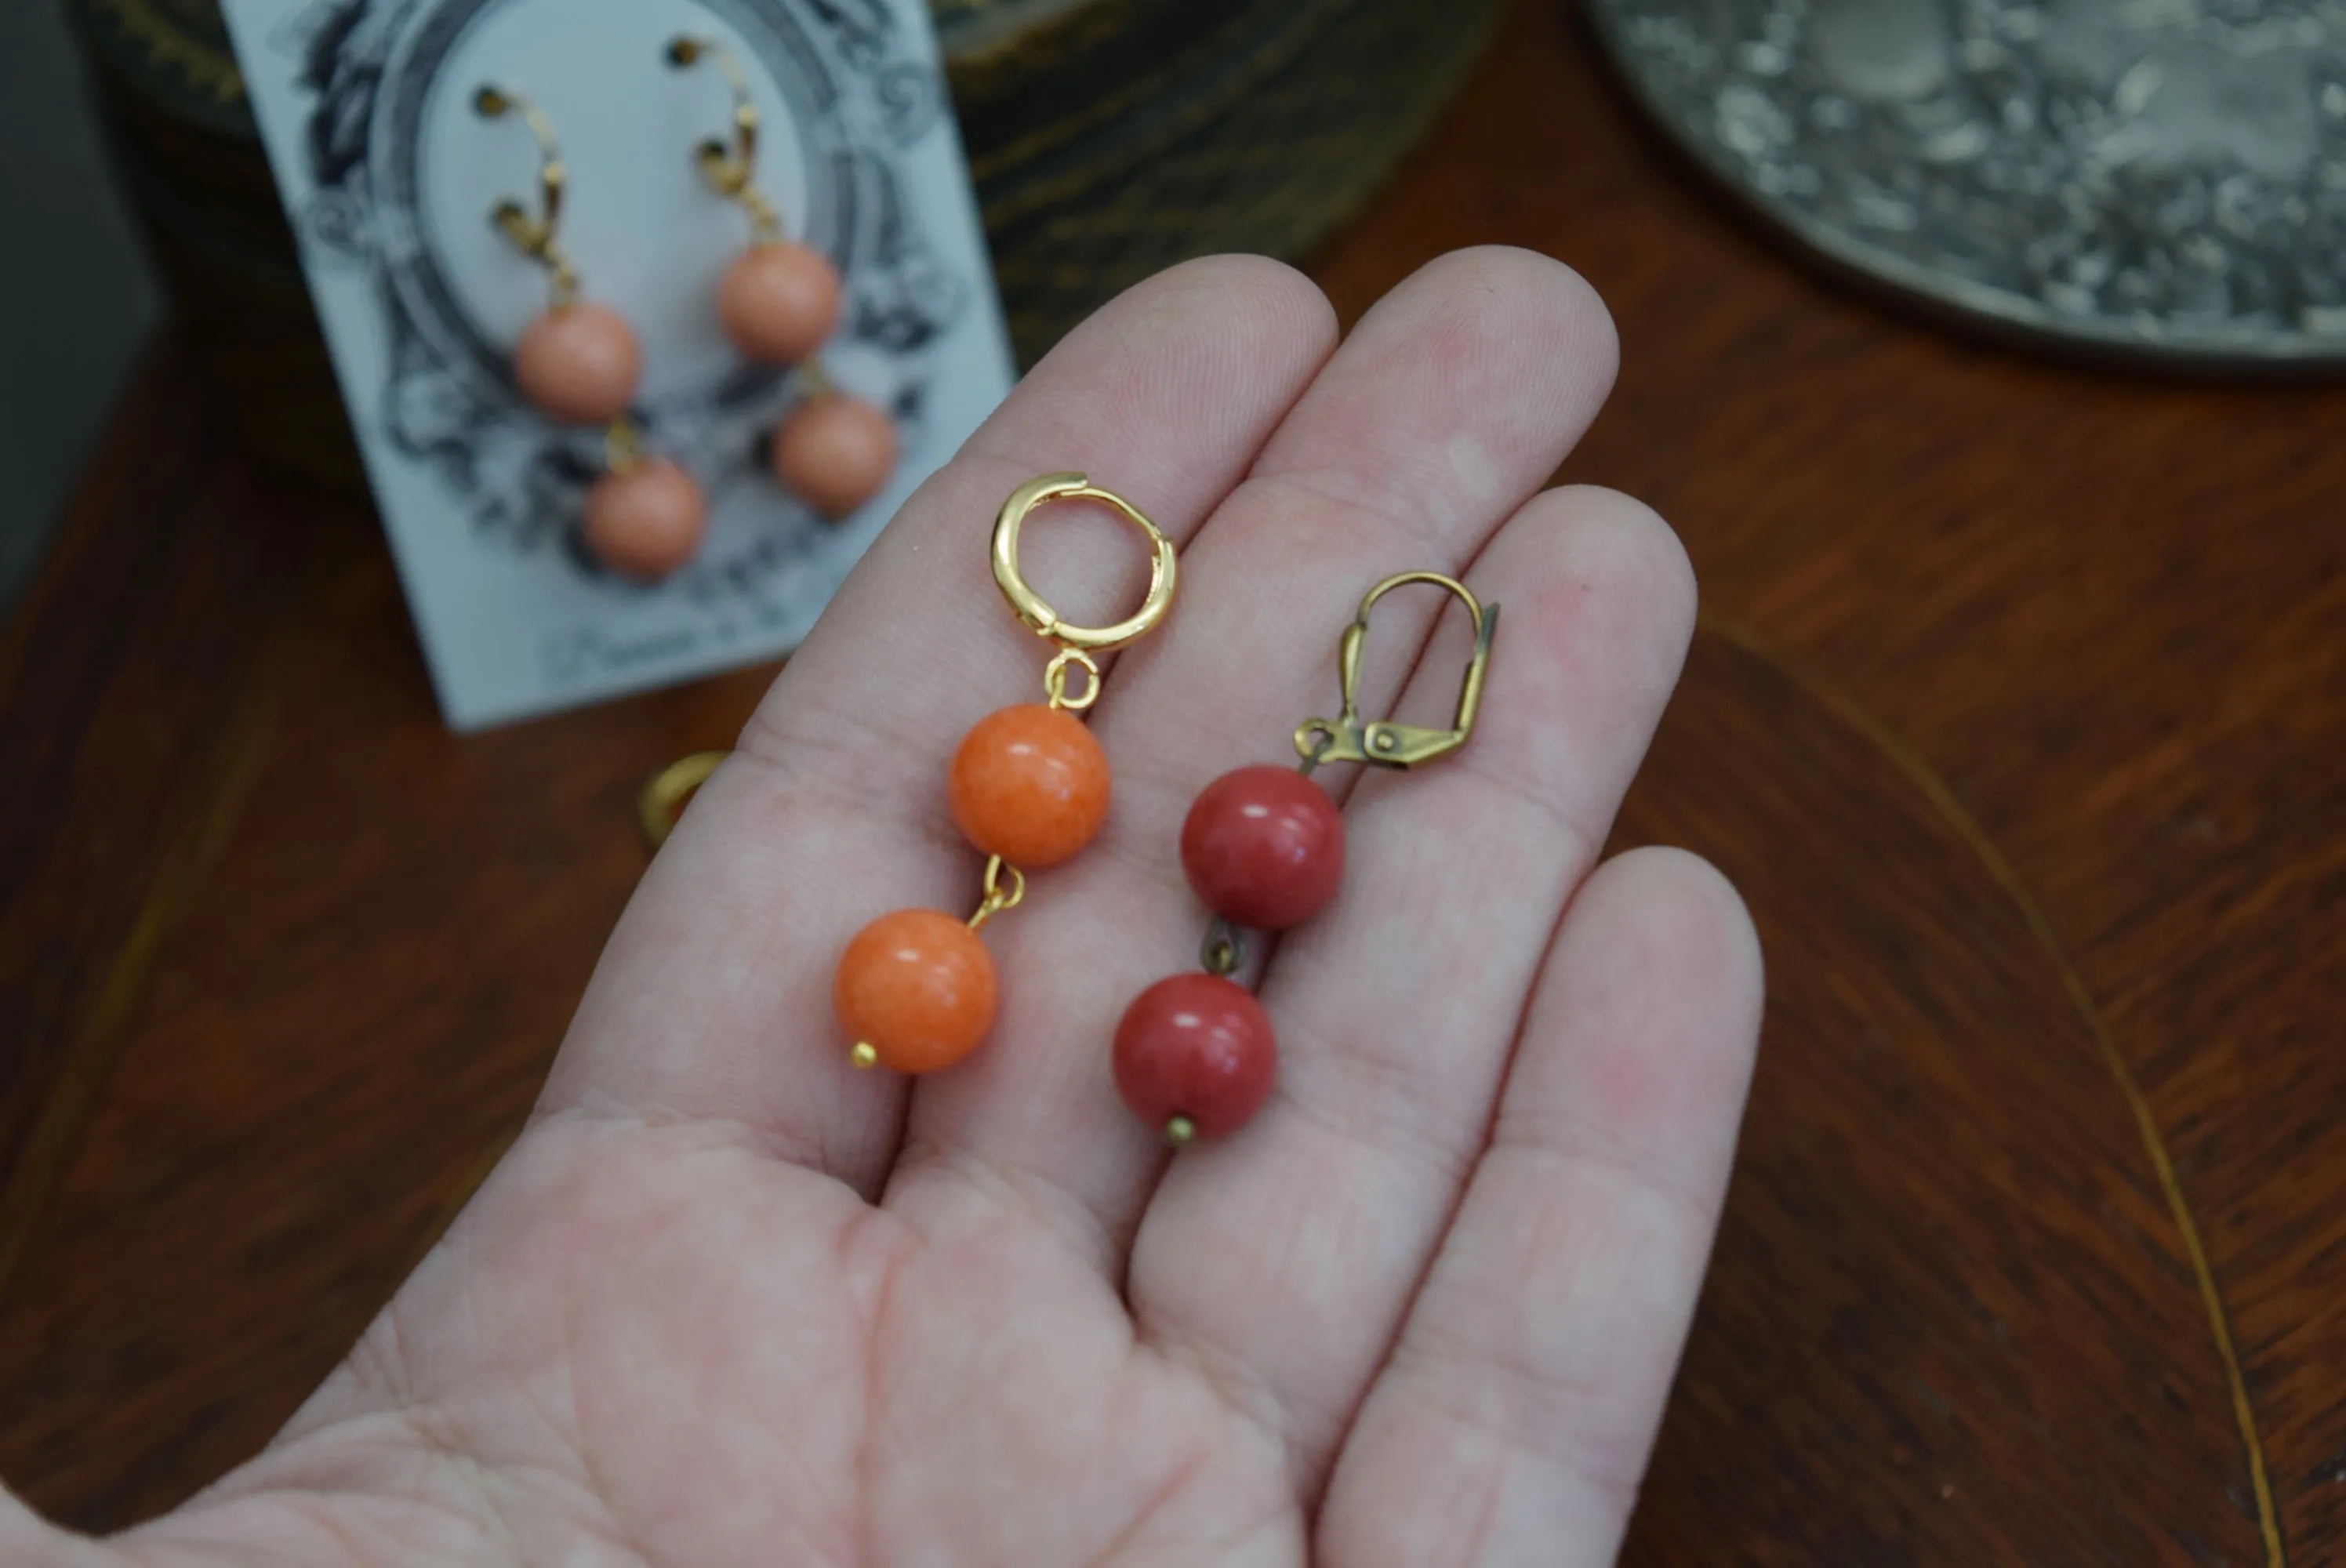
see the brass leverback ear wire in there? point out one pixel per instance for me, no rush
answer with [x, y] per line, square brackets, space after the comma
[1263, 848]
[1381, 742]
[534, 236]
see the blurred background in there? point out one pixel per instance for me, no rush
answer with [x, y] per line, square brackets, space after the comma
[73, 247]
[1984, 354]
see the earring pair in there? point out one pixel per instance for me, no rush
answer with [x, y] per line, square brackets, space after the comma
[1262, 846]
[580, 363]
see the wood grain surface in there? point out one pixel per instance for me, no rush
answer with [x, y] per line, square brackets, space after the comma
[2018, 712]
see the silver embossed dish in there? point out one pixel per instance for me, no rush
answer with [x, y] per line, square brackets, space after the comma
[2164, 178]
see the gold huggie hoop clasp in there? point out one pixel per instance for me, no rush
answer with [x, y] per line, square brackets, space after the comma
[1036, 611]
[730, 173]
[1381, 742]
[534, 236]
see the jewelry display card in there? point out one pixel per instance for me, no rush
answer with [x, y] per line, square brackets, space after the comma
[390, 176]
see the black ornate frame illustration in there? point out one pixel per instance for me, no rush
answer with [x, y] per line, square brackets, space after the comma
[858, 103]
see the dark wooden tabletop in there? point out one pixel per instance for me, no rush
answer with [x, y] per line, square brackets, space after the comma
[2018, 711]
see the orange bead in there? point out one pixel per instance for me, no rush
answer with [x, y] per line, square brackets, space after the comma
[918, 987]
[579, 363]
[645, 521]
[778, 303]
[1029, 784]
[834, 453]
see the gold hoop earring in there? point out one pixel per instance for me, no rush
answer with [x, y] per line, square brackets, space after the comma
[1028, 787]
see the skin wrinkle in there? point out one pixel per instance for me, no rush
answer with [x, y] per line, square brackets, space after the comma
[1456, 1353]
[1581, 1148]
[323, 1467]
[1177, 1480]
[393, 1403]
[1434, 1151]
[1243, 1397]
[1590, 1464]
[1061, 1212]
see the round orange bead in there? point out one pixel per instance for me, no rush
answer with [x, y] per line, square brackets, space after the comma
[1029, 784]
[918, 987]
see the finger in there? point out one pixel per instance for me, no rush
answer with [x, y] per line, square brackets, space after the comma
[713, 1001]
[1292, 1249]
[1454, 399]
[1513, 1423]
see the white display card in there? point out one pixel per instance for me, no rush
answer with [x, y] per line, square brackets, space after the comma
[390, 176]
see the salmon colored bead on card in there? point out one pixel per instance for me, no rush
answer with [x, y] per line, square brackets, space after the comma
[645, 521]
[834, 453]
[778, 301]
[1029, 784]
[917, 987]
[579, 363]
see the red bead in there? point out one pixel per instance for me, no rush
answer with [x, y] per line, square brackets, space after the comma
[1195, 1056]
[1263, 847]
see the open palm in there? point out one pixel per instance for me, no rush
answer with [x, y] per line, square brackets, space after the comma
[729, 1300]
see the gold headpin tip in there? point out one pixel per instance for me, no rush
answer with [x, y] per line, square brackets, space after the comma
[683, 50]
[489, 103]
[1180, 1130]
[863, 1055]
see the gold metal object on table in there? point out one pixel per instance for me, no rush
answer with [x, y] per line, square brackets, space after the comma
[663, 800]
[1381, 742]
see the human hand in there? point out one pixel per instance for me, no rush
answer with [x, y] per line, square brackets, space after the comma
[730, 1300]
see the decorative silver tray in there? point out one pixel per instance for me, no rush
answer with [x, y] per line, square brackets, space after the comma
[2159, 177]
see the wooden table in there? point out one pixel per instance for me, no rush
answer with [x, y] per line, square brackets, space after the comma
[2018, 711]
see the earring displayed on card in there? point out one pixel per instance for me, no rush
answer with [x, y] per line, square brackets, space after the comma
[578, 362]
[778, 303]
[1028, 786]
[1263, 848]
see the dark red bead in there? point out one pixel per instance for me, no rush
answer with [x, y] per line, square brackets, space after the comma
[1195, 1049]
[1263, 847]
